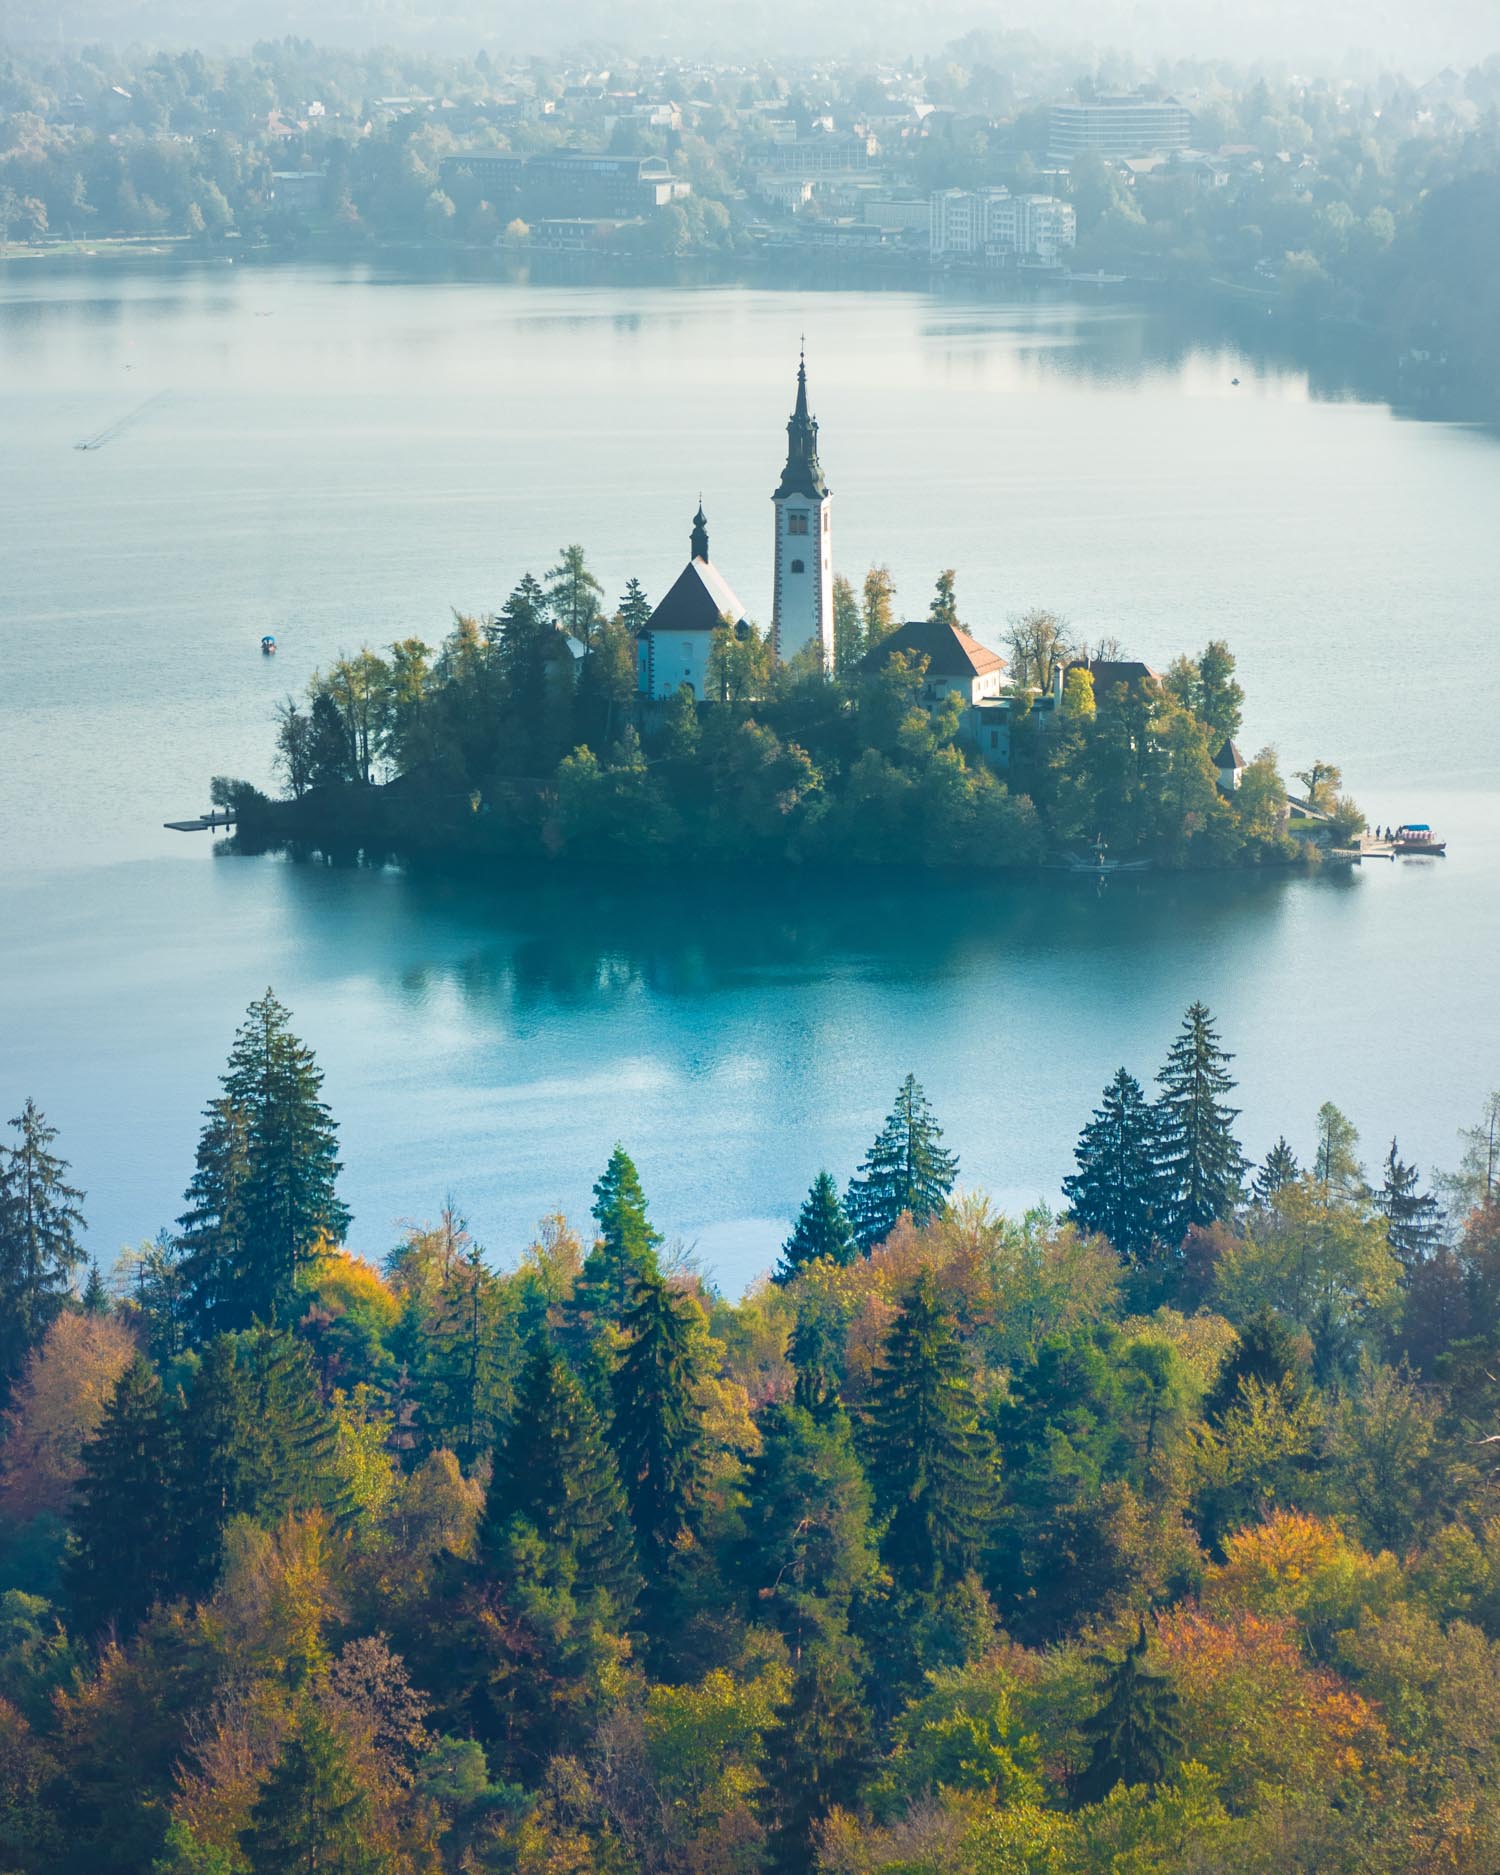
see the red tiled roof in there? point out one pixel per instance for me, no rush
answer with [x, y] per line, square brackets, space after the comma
[949, 651]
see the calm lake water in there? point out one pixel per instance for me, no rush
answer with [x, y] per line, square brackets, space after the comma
[341, 456]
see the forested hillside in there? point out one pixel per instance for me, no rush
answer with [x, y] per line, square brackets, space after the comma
[1162, 1534]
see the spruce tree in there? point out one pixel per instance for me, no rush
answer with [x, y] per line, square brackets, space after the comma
[635, 607]
[655, 1430]
[313, 1815]
[464, 1341]
[1275, 1172]
[624, 1252]
[1266, 1351]
[822, 1230]
[1199, 1165]
[1413, 1218]
[1114, 1189]
[95, 1297]
[265, 1192]
[815, 1350]
[815, 1754]
[931, 1464]
[123, 1551]
[213, 1261]
[906, 1169]
[40, 1223]
[809, 1546]
[554, 1469]
[1132, 1737]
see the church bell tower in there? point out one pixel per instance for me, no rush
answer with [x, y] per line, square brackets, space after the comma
[802, 609]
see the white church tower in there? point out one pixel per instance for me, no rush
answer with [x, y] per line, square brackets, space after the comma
[802, 610]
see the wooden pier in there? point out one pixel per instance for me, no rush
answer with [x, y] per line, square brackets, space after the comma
[220, 817]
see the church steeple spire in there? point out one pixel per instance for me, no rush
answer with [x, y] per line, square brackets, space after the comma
[700, 533]
[803, 474]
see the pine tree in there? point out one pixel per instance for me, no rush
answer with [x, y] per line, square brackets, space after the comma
[635, 607]
[1413, 1219]
[1276, 1171]
[624, 1252]
[944, 600]
[264, 1195]
[809, 1547]
[931, 1464]
[1266, 1352]
[39, 1247]
[1336, 1165]
[554, 1469]
[906, 1169]
[1133, 1736]
[464, 1342]
[815, 1351]
[1199, 1165]
[257, 1440]
[213, 1257]
[815, 1754]
[95, 1297]
[123, 1549]
[1113, 1191]
[655, 1432]
[822, 1230]
[313, 1815]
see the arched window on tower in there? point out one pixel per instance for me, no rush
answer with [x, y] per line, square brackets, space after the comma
[798, 567]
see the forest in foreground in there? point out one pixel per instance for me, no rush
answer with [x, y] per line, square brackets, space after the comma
[1158, 1534]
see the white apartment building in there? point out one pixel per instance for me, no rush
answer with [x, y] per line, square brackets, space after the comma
[993, 226]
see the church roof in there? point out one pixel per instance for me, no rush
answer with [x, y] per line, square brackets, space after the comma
[948, 649]
[1229, 756]
[696, 602]
[803, 474]
[1109, 673]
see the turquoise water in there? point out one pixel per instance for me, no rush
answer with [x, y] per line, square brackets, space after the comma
[338, 457]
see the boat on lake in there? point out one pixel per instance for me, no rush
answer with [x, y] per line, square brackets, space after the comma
[268, 646]
[1417, 837]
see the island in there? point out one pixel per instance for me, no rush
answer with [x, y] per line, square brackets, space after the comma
[841, 736]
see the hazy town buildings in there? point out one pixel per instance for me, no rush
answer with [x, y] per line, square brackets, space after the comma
[1121, 124]
[570, 182]
[993, 226]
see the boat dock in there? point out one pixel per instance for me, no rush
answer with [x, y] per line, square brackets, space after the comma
[220, 817]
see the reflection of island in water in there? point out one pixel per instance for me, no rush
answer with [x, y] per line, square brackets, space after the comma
[582, 941]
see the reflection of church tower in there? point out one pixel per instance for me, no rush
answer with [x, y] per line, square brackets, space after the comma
[802, 611]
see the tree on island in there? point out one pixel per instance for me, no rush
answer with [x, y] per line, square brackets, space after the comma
[1113, 1191]
[822, 1230]
[944, 608]
[635, 607]
[575, 596]
[264, 1197]
[1039, 642]
[877, 606]
[848, 629]
[906, 1169]
[1199, 1165]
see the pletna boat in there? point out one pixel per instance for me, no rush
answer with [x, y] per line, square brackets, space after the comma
[1417, 837]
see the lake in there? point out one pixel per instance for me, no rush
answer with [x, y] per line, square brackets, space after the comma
[342, 454]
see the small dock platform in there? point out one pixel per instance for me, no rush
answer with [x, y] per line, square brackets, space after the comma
[1369, 848]
[202, 823]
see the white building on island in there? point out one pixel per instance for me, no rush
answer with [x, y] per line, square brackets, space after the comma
[672, 647]
[802, 605]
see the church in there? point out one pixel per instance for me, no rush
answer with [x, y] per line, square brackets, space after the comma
[672, 647]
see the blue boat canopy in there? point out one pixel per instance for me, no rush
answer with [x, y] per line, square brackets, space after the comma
[1414, 826]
